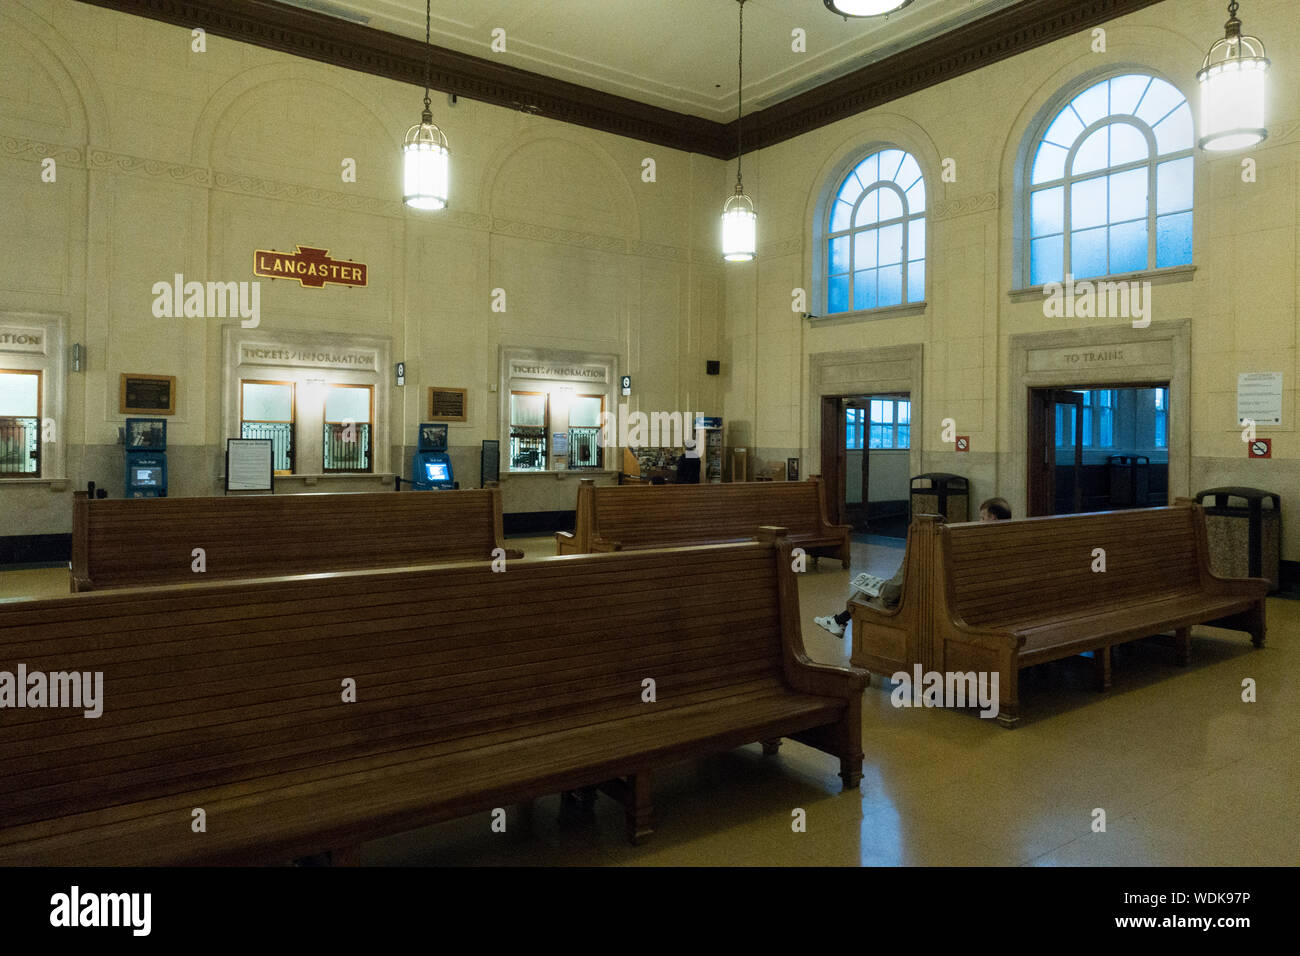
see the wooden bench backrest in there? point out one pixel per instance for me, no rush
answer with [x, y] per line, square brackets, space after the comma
[222, 683]
[122, 542]
[647, 515]
[1002, 571]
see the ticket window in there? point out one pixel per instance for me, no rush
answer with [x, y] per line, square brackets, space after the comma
[268, 410]
[20, 423]
[346, 444]
[584, 431]
[528, 431]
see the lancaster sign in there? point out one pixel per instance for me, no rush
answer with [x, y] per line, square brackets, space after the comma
[311, 267]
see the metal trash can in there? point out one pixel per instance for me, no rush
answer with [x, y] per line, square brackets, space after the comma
[1130, 480]
[939, 493]
[1244, 537]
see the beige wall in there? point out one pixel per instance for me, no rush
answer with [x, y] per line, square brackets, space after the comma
[1240, 302]
[174, 161]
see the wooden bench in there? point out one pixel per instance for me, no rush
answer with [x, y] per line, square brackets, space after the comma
[1000, 596]
[473, 690]
[630, 517]
[135, 541]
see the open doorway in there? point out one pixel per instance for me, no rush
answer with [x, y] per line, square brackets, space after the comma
[866, 451]
[1098, 448]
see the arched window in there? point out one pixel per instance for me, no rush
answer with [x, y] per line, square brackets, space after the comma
[875, 239]
[1110, 183]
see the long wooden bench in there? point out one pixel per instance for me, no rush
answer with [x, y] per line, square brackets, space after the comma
[1001, 596]
[125, 542]
[473, 690]
[630, 517]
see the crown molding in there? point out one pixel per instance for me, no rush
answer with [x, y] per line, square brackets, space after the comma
[316, 36]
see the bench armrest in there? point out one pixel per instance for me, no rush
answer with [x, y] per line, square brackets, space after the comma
[827, 680]
[602, 546]
[870, 610]
[514, 554]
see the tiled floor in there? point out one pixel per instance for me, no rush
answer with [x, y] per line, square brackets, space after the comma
[1185, 772]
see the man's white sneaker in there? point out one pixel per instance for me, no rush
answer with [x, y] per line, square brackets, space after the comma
[829, 624]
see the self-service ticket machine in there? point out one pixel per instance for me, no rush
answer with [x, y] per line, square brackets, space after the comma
[431, 467]
[146, 458]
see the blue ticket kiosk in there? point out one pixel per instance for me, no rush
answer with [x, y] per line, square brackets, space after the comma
[431, 467]
[146, 458]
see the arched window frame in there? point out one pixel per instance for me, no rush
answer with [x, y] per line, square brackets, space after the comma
[1026, 188]
[822, 219]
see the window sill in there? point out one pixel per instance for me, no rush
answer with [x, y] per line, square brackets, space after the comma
[868, 315]
[381, 477]
[559, 475]
[55, 484]
[1154, 276]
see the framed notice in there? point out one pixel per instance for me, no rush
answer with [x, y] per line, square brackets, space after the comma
[489, 461]
[448, 404]
[147, 395]
[1259, 398]
[249, 464]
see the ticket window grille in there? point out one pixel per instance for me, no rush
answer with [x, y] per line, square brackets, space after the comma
[267, 410]
[346, 443]
[584, 431]
[528, 431]
[20, 423]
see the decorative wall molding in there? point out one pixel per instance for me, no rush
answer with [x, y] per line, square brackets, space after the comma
[965, 205]
[293, 30]
[176, 172]
[36, 151]
[587, 240]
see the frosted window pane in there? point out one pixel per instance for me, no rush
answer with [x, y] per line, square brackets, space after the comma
[1174, 133]
[1049, 164]
[916, 281]
[1161, 98]
[1127, 144]
[891, 286]
[1174, 186]
[1128, 195]
[1088, 253]
[891, 245]
[1174, 240]
[864, 289]
[916, 197]
[904, 412]
[841, 215]
[864, 249]
[584, 411]
[1047, 211]
[1046, 258]
[1125, 91]
[890, 161]
[868, 210]
[837, 294]
[1128, 247]
[1088, 203]
[909, 173]
[1093, 103]
[1093, 153]
[839, 255]
[916, 239]
[262, 403]
[891, 205]
[527, 409]
[851, 190]
[1065, 129]
[869, 170]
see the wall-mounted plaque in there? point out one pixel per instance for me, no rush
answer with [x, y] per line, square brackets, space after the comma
[448, 404]
[249, 464]
[147, 395]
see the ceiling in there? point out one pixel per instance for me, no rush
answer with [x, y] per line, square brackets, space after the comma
[675, 54]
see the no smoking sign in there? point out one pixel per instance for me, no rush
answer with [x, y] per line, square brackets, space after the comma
[963, 443]
[1260, 448]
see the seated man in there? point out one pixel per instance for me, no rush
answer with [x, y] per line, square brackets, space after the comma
[891, 592]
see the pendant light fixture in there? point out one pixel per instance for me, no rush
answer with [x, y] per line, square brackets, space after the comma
[738, 219]
[424, 152]
[1234, 87]
[864, 8]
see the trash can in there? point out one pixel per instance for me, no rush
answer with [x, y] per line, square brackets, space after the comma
[1245, 535]
[939, 493]
[1130, 481]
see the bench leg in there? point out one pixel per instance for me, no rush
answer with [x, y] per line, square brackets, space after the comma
[346, 856]
[851, 771]
[640, 808]
[1183, 646]
[1008, 717]
[770, 747]
[1257, 625]
[1101, 668]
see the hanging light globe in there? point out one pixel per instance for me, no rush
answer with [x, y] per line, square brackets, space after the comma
[425, 163]
[738, 227]
[1234, 90]
[864, 8]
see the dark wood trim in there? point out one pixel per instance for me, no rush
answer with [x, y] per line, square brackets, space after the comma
[276, 26]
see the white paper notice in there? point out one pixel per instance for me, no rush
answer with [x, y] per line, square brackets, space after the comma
[1259, 398]
[248, 464]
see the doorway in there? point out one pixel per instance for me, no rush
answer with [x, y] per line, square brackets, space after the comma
[1098, 448]
[866, 452]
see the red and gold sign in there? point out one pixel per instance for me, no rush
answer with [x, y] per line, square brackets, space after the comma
[311, 267]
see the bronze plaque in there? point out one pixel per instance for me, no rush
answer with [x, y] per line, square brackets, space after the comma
[147, 395]
[447, 404]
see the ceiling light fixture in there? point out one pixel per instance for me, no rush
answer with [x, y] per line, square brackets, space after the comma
[738, 218]
[1234, 88]
[864, 8]
[425, 159]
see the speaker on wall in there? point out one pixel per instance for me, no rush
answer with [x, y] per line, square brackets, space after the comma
[712, 366]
